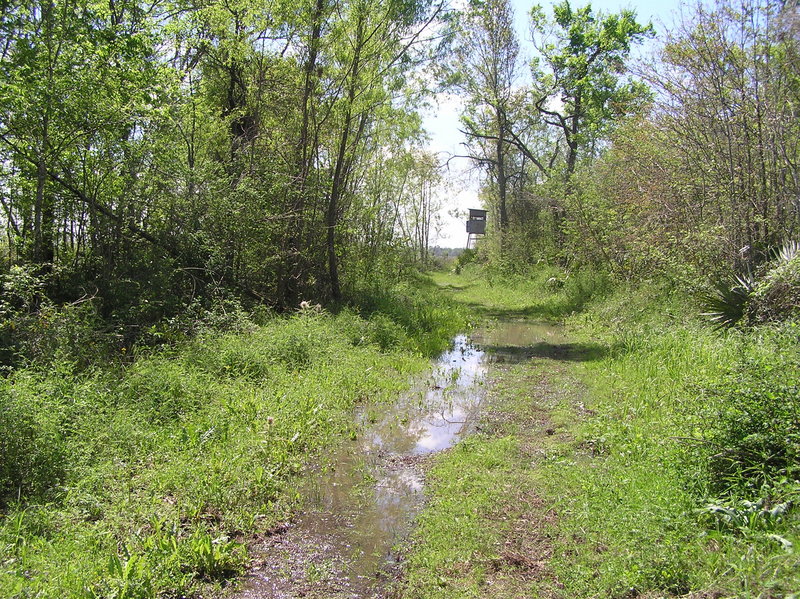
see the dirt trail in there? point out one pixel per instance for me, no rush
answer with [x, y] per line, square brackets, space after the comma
[363, 500]
[526, 381]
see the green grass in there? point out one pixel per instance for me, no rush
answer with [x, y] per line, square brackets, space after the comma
[456, 547]
[543, 293]
[149, 479]
[482, 530]
[643, 490]
[672, 469]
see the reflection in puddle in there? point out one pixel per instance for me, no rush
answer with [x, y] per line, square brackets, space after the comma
[365, 499]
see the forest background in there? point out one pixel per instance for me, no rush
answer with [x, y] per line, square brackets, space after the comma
[159, 156]
[173, 171]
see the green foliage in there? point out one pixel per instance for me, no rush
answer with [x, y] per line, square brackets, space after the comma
[727, 304]
[753, 424]
[772, 295]
[673, 467]
[137, 479]
[410, 314]
[698, 441]
[467, 486]
[155, 187]
[468, 256]
[212, 557]
[32, 449]
[581, 63]
[776, 296]
[542, 292]
[744, 517]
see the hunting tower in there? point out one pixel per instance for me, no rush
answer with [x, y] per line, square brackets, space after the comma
[476, 225]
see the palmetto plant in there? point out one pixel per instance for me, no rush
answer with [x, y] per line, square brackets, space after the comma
[773, 295]
[726, 304]
[787, 253]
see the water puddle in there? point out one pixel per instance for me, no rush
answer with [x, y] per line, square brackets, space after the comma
[367, 495]
[517, 341]
[364, 499]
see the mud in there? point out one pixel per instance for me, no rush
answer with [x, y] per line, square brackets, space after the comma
[365, 497]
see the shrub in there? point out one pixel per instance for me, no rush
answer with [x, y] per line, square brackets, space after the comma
[754, 427]
[31, 452]
[164, 389]
[726, 303]
[772, 295]
[406, 314]
[468, 256]
[384, 332]
[777, 294]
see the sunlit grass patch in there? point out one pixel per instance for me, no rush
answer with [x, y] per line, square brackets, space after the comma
[454, 546]
[148, 479]
[545, 292]
[676, 473]
[637, 501]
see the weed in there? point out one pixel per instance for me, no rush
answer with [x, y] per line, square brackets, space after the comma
[135, 480]
[212, 557]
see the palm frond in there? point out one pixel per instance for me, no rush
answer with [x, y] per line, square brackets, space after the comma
[788, 252]
[726, 304]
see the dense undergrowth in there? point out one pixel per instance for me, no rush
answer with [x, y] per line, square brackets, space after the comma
[146, 476]
[679, 470]
[688, 468]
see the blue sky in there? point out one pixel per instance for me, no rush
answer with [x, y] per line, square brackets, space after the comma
[442, 123]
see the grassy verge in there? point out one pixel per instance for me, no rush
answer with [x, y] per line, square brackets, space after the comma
[663, 465]
[486, 527]
[147, 479]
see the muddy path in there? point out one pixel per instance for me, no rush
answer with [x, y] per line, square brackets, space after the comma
[364, 497]
[362, 501]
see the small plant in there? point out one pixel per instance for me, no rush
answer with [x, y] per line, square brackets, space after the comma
[744, 517]
[777, 295]
[213, 557]
[319, 572]
[726, 304]
[772, 295]
[31, 451]
[384, 332]
[128, 576]
[752, 425]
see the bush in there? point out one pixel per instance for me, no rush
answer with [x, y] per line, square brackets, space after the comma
[755, 427]
[31, 451]
[406, 314]
[384, 332]
[468, 256]
[777, 296]
[164, 389]
[772, 295]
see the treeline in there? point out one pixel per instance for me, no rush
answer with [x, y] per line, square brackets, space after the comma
[682, 164]
[155, 154]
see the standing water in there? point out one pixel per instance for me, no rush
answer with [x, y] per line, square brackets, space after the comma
[365, 500]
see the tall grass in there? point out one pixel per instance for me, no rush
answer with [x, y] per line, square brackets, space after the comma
[412, 313]
[147, 477]
[648, 507]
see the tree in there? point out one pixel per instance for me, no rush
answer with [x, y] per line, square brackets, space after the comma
[375, 48]
[486, 70]
[578, 84]
[728, 106]
[79, 82]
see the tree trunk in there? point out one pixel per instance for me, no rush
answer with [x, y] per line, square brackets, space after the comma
[341, 168]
